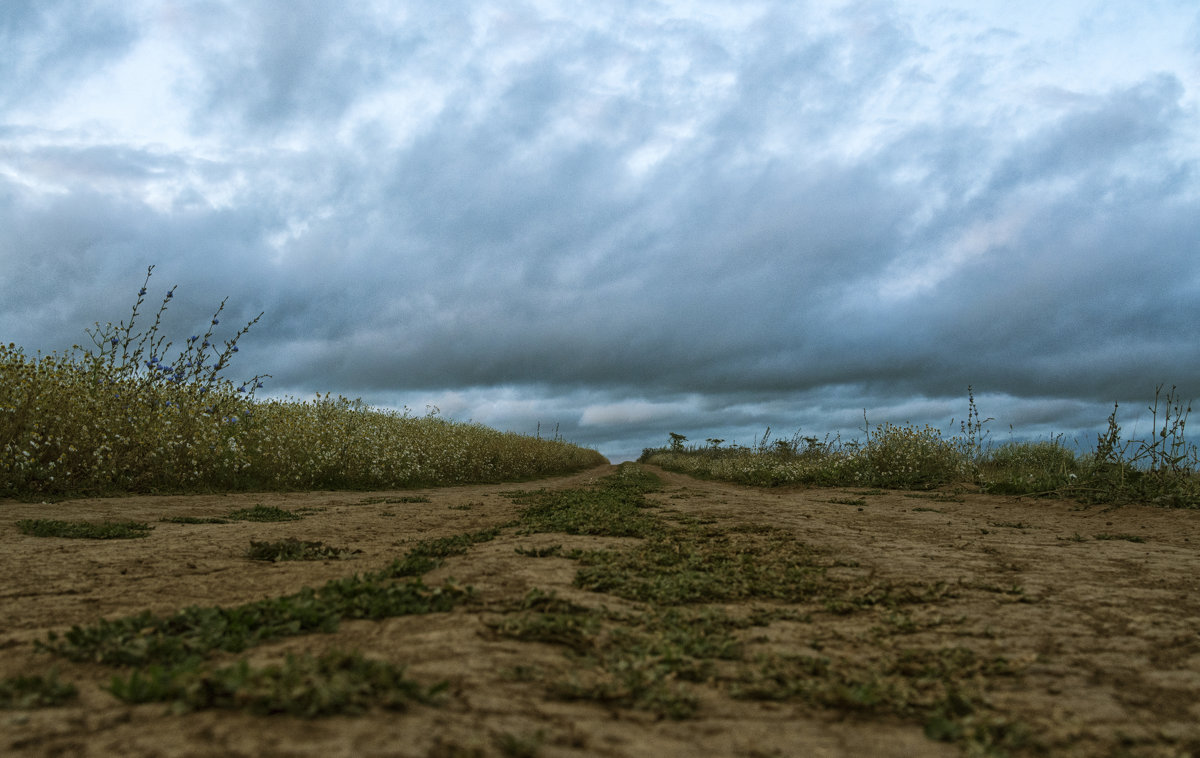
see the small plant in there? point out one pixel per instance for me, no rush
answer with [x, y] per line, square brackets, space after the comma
[264, 513]
[293, 549]
[193, 520]
[846, 501]
[35, 691]
[108, 530]
[305, 686]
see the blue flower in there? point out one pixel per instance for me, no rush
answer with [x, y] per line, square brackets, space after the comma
[235, 348]
[114, 341]
[171, 293]
[193, 338]
[206, 343]
[216, 321]
[142, 292]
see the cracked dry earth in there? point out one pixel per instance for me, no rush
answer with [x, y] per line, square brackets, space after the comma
[1103, 634]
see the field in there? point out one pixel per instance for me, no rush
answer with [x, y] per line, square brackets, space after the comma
[623, 611]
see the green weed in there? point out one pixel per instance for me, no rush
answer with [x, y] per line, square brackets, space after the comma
[20, 692]
[193, 520]
[292, 549]
[195, 632]
[263, 513]
[108, 530]
[305, 686]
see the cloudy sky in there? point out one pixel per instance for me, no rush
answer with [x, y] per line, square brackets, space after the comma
[625, 218]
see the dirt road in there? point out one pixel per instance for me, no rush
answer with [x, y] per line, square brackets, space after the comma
[1096, 612]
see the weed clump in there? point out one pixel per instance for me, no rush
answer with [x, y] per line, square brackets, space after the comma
[108, 530]
[293, 549]
[305, 686]
[263, 513]
[20, 692]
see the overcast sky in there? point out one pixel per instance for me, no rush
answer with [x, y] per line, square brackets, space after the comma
[625, 218]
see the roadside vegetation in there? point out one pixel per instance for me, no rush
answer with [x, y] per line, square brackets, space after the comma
[122, 416]
[1161, 471]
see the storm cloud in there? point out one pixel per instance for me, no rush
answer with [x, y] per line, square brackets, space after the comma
[623, 219]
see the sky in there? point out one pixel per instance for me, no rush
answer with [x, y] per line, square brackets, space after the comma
[613, 221]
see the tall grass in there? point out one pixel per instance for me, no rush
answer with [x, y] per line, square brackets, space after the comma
[120, 417]
[1161, 470]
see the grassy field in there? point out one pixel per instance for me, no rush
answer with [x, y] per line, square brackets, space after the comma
[120, 417]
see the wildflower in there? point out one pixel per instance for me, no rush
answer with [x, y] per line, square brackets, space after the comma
[170, 293]
[114, 341]
[235, 348]
[206, 343]
[216, 321]
[142, 292]
[193, 338]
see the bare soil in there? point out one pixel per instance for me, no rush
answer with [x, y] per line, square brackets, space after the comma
[1105, 633]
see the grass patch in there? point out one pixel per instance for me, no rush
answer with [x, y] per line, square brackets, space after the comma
[334, 683]
[107, 530]
[936, 687]
[617, 508]
[22, 692]
[1126, 537]
[193, 520]
[263, 513]
[293, 549]
[394, 500]
[846, 501]
[680, 572]
[195, 632]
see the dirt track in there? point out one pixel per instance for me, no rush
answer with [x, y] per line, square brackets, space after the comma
[1104, 633]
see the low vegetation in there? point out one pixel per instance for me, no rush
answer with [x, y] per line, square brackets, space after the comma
[35, 691]
[120, 416]
[1162, 470]
[682, 577]
[307, 686]
[107, 530]
[292, 549]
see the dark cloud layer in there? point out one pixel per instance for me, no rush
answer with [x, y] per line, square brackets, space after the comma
[626, 219]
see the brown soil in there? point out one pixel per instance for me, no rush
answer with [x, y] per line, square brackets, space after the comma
[1105, 633]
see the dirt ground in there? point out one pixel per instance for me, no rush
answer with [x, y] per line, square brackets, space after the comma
[1105, 632]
